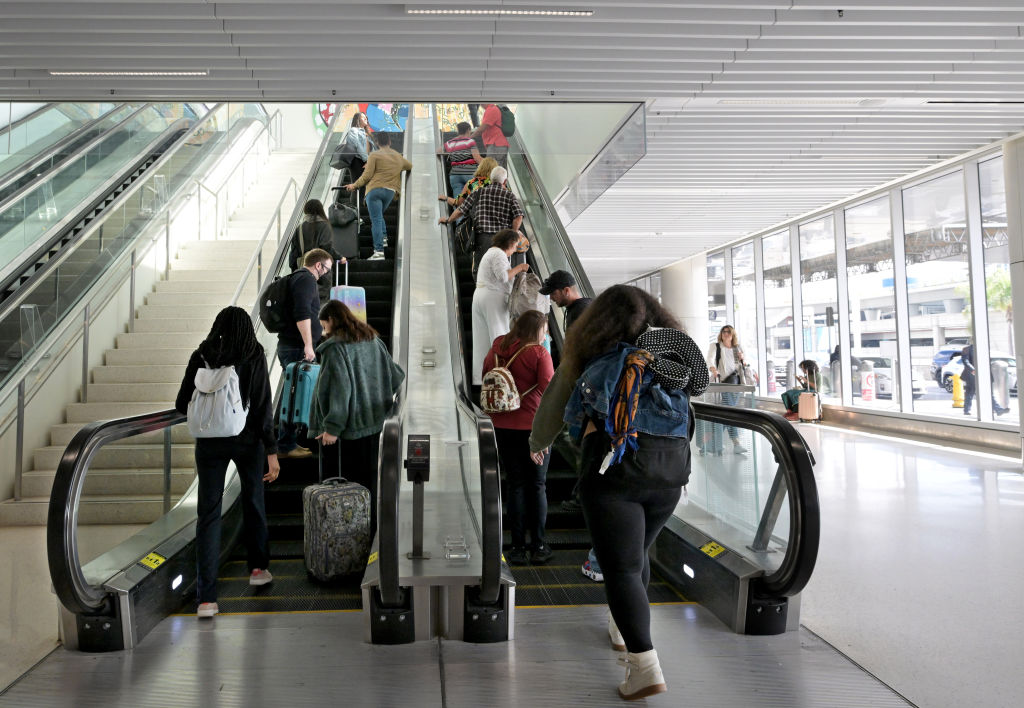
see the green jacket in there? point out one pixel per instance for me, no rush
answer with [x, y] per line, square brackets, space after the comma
[355, 389]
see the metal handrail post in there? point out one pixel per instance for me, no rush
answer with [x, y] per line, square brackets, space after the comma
[85, 354]
[167, 244]
[131, 292]
[19, 442]
[167, 469]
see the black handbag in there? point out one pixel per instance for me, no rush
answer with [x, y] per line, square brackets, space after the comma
[341, 215]
[465, 236]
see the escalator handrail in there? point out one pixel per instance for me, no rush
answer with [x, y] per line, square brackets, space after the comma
[69, 583]
[795, 462]
[52, 235]
[489, 529]
[391, 452]
[32, 163]
[80, 153]
[29, 116]
[582, 280]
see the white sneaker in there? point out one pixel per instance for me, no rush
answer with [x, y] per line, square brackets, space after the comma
[643, 675]
[260, 577]
[618, 643]
[377, 256]
[207, 609]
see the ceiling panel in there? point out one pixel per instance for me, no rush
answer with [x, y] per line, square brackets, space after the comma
[757, 110]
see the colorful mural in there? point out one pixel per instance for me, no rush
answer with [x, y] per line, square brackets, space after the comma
[387, 117]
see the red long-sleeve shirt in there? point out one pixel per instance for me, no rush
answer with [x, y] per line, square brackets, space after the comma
[533, 367]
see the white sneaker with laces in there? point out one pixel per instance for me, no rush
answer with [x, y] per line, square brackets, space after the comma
[260, 577]
[618, 643]
[377, 256]
[643, 675]
[207, 609]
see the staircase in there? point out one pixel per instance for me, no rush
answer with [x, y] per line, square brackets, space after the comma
[143, 372]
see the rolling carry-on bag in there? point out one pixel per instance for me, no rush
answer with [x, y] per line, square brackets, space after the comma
[297, 394]
[343, 214]
[809, 408]
[336, 526]
[353, 296]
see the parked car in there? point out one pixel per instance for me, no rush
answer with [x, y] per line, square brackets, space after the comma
[884, 383]
[941, 358]
[956, 367]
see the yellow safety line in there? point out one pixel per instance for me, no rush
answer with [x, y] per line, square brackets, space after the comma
[269, 612]
[575, 585]
[591, 604]
[289, 597]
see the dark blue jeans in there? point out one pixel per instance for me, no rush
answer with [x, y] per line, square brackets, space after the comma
[286, 431]
[624, 520]
[212, 457]
[527, 487]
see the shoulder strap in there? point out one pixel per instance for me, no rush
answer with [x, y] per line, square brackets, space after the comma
[718, 355]
[525, 346]
[302, 240]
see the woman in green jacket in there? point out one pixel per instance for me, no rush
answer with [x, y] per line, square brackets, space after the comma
[354, 393]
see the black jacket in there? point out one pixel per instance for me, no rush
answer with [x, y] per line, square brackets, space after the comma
[315, 234]
[254, 383]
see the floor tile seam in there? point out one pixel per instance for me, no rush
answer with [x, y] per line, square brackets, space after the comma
[857, 664]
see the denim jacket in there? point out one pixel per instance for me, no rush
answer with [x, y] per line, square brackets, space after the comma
[664, 413]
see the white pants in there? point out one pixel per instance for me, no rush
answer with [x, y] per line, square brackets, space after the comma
[490, 321]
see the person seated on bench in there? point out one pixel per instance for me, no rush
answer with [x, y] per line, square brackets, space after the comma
[810, 381]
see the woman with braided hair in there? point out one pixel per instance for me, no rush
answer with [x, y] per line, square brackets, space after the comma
[232, 342]
[623, 386]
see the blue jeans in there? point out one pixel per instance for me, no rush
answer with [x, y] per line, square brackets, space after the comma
[458, 182]
[212, 457]
[286, 431]
[377, 200]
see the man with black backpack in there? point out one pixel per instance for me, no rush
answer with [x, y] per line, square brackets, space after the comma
[296, 339]
[496, 127]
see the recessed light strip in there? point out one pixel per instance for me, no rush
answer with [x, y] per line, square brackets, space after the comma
[502, 11]
[129, 73]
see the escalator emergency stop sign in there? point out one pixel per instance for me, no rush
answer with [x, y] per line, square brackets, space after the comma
[153, 561]
[712, 549]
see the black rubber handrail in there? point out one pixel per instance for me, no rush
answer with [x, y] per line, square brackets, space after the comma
[489, 530]
[796, 463]
[73, 590]
[392, 455]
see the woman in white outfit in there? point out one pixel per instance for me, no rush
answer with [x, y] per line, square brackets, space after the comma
[494, 277]
[725, 362]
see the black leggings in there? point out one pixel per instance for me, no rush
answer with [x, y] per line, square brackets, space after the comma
[624, 520]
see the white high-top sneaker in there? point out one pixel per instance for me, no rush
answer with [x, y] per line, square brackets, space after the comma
[618, 643]
[643, 675]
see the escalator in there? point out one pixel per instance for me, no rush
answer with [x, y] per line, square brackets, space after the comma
[135, 591]
[756, 512]
[293, 590]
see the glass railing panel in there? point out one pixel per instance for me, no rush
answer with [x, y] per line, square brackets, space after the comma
[26, 140]
[26, 219]
[145, 211]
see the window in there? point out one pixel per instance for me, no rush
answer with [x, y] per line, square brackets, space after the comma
[938, 283]
[820, 322]
[872, 300]
[716, 294]
[744, 299]
[778, 308]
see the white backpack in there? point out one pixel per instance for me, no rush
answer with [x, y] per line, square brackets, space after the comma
[216, 409]
[498, 391]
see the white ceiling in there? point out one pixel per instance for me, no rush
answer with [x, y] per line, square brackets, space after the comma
[758, 110]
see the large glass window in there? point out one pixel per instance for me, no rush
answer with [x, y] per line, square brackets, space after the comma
[820, 319]
[744, 302]
[778, 307]
[997, 290]
[938, 287]
[716, 295]
[872, 299]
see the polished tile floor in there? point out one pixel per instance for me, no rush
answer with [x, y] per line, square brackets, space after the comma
[918, 581]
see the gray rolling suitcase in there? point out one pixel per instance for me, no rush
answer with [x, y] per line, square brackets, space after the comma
[336, 528]
[344, 217]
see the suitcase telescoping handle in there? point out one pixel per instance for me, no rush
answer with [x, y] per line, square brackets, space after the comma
[336, 273]
[320, 467]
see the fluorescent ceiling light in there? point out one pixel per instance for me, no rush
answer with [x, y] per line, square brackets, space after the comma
[497, 11]
[204, 72]
[790, 101]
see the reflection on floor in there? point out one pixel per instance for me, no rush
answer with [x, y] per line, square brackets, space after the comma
[560, 657]
[918, 576]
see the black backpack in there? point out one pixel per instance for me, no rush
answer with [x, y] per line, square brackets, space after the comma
[274, 311]
[508, 121]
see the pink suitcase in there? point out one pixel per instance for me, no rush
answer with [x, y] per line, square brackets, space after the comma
[352, 296]
[809, 408]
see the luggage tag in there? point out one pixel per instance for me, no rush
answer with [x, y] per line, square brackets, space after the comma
[605, 463]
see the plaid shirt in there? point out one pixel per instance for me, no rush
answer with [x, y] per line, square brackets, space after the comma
[493, 208]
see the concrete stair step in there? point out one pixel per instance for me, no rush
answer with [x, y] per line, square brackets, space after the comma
[116, 456]
[33, 511]
[143, 356]
[139, 374]
[132, 392]
[204, 310]
[209, 285]
[230, 272]
[169, 298]
[108, 482]
[156, 340]
[61, 435]
[156, 325]
[89, 412]
[223, 245]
